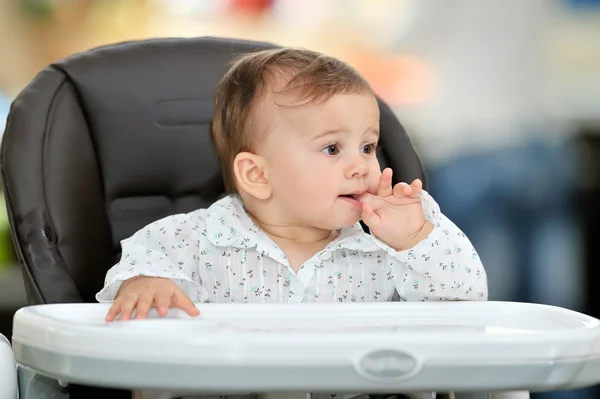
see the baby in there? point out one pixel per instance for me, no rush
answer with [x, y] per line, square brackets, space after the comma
[296, 133]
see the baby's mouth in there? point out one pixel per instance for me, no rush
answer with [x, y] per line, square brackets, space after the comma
[353, 198]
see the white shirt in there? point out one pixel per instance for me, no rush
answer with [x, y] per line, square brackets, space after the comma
[219, 255]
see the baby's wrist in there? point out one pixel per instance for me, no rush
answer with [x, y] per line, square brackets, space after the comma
[413, 240]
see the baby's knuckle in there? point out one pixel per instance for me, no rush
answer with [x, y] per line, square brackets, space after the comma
[132, 295]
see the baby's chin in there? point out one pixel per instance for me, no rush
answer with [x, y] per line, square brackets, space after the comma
[333, 220]
[349, 222]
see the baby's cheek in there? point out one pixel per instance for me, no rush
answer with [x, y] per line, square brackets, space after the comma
[373, 180]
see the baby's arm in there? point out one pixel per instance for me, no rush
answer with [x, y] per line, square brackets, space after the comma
[444, 266]
[166, 248]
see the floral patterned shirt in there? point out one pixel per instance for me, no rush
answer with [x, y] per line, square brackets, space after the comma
[219, 255]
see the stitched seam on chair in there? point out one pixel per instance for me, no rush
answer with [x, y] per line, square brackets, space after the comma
[11, 220]
[235, 44]
[45, 138]
[92, 137]
[16, 241]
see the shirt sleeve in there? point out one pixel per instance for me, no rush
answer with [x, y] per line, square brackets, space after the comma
[166, 248]
[444, 266]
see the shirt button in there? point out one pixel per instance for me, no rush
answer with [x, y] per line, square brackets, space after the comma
[326, 255]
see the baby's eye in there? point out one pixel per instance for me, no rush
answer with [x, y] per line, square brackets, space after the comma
[370, 148]
[332, 149]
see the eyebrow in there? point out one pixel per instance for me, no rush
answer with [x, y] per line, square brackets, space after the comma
[335, 131]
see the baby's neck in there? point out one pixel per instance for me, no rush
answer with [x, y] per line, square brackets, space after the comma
[297, 234]
[298, 243]
[281, 228]
[299, 247]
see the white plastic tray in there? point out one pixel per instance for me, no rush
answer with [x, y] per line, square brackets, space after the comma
[371, 347]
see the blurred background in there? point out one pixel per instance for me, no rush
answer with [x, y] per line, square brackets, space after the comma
[501, 98]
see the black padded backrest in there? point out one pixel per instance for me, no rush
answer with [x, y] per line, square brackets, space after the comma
[104, 142]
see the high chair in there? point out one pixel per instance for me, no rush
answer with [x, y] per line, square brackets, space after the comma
[104, 142]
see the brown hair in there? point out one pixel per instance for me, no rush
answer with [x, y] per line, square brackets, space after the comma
[314, 76]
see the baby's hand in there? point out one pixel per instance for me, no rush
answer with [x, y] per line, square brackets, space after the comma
[395, 215]
[143, 293]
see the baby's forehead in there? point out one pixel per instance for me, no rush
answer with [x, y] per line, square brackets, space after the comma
[284, 99]
[340, 112]
[273, 111]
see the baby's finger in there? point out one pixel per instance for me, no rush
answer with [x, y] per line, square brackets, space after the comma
[417, 187]
[114, 310]
[144, 304]
[402, 190]
[181, 301]
[128, 305]
[384, 189]
[369, 216]
[162, 302]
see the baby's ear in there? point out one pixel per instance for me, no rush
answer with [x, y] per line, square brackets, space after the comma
[249, 170]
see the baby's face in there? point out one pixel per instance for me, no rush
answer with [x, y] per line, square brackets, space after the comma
[318, 153]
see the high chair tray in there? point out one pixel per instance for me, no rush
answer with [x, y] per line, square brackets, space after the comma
[356, 347]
